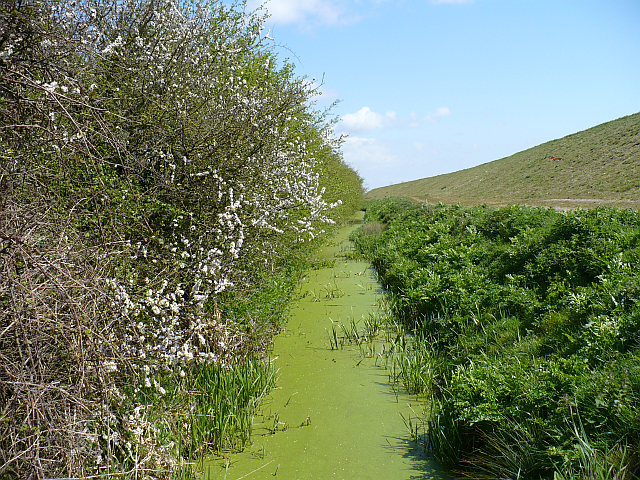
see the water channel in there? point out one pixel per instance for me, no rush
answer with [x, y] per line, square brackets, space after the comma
[333, 414]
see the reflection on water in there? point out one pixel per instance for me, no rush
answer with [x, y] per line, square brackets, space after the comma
[333, 415]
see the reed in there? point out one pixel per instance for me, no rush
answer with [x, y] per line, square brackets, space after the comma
[334, 341]
[211, 408]
[596, 464]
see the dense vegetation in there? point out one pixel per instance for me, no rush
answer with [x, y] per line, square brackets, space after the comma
[526, 320]
[162, 175]
[600, 165]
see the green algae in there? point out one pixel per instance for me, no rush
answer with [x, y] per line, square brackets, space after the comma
[333, 414]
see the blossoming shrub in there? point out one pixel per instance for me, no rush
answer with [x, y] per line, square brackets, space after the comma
[158, 163]
[531, 318]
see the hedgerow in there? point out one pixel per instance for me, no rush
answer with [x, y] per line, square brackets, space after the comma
[160, 167]
[530, 321]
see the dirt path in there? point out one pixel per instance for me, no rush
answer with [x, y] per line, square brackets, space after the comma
[333, 415]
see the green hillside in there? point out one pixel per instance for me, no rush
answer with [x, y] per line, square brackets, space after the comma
[600, 165]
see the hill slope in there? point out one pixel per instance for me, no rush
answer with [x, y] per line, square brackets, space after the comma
[600, 165]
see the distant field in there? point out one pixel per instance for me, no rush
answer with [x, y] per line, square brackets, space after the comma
[597, 166]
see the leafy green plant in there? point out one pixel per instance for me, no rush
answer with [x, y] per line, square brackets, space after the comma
[517, 317]
[162, 179]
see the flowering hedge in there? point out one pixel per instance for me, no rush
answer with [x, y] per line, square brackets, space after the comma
[527, 321]
[156, 157]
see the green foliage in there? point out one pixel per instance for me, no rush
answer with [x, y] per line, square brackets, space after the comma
[528, 317]
[163, 178]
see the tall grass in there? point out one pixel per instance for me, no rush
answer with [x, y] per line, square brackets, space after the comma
[412, 364]
[209, 410]
[225, 402]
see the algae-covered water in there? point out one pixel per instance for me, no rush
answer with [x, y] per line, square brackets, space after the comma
[333, 414]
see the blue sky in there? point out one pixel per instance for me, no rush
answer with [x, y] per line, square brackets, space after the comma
[433, 86]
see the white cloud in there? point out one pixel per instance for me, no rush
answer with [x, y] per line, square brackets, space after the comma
[370, 158]
[414, 122]
[380, 164]
[366, 119]
[282, 12]
[439, 113]
[328, 95]
[450, 2]
[325, 95]
[367, 152]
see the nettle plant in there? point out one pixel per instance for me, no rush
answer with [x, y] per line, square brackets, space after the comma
[156, 153]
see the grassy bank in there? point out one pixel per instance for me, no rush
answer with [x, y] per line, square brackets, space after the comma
[598, 166]
[526, 320]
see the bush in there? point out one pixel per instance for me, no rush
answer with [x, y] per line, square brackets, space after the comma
[532, 316]
[156, 163]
